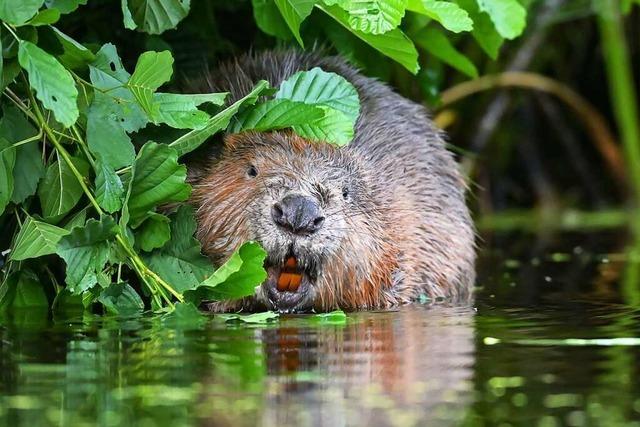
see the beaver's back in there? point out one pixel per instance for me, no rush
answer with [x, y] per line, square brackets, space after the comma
[415, 177]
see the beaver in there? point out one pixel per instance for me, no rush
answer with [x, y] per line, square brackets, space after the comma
[371, 225]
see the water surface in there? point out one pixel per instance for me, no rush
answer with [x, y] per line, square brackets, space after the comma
[552, 340]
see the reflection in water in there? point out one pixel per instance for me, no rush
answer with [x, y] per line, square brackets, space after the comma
[412, 367]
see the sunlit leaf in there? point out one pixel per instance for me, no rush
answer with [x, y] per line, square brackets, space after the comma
[275, 114]
[152, 71]
[373, 16]
[45, 17]
[236, 278]
[484, 31]
[255, 318]
[53, 84]
[18, 12]
[181, 111]
[35, 239]
[509, 16]
[450, 15]
[394, 44]
[270, 20]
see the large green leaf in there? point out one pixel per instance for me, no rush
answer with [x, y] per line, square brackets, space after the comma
[394, 44]
[484, 32]
[450, 15]
[85, 251]
[154, 16]
[113, 112]
[373, 16]
[154, 232]
[23, 290]
[294, 12]
[192, 140]
[65, 6]
[236, 278]
[509, 16]
[152, 71]
[156, 178]
[333, 127]
[7, 162]
[109, 189]
[439, 45]
[45, 17]
[74, 54]
[180, 262]
[60, 190]
[53, 84]
[18, 12]
[121, 298]
[275, 114]
[269, 19]
[35, 239]
[181, 111]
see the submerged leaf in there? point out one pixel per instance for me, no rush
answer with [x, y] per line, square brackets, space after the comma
[36, 239]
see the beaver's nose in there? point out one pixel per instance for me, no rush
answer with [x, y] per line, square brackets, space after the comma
[298, 214]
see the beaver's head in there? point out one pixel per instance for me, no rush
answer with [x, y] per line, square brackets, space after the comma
[315, 210]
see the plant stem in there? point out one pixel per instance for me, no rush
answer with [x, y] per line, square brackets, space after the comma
[623, 98]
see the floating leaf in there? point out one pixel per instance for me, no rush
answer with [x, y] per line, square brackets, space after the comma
[36, 239]
[60, 189]
[236, 278]
[154, 16]
[53, 84]
[85, 251]
[255, 318]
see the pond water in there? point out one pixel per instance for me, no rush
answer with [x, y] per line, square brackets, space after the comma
[549, 342]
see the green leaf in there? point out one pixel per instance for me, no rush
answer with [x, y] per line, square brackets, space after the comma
[373, 16]
[181, 111]
[45, 17]
[17, 12]
[157, 178]
[112, 113]
[337, 317]
[60, 190]
[120, 298]
[294, 12]
[77, 220]
[275, 114]
[334, 95]
[154, 16]
[53, 84]
[192, 140]
[74, 54]
[236, 278]
[394, 44]
[450, 15]
[30, 171]
[23, 290]
[152, 71]
[184, 316]
[65, 6]
[180, 262]
[509, 16]
[269, 19]
[484, 32]
[438, 44]
[7, 162]
[85, 251]
[318, 87]
[109, 189]
[154, 232]
[255, 318]
[36, 239]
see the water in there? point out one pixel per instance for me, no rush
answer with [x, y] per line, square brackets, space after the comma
[548, 343]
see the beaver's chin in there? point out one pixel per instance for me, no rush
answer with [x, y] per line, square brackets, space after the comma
[290, 285]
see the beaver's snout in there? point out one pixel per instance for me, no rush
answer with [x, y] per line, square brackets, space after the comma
[298, 214]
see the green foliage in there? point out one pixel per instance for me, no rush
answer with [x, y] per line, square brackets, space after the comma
[91, 175]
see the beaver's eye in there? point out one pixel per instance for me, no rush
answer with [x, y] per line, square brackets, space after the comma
[345, 193]
[252, 171]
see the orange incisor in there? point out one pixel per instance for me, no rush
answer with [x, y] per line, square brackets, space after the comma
[290, 278]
